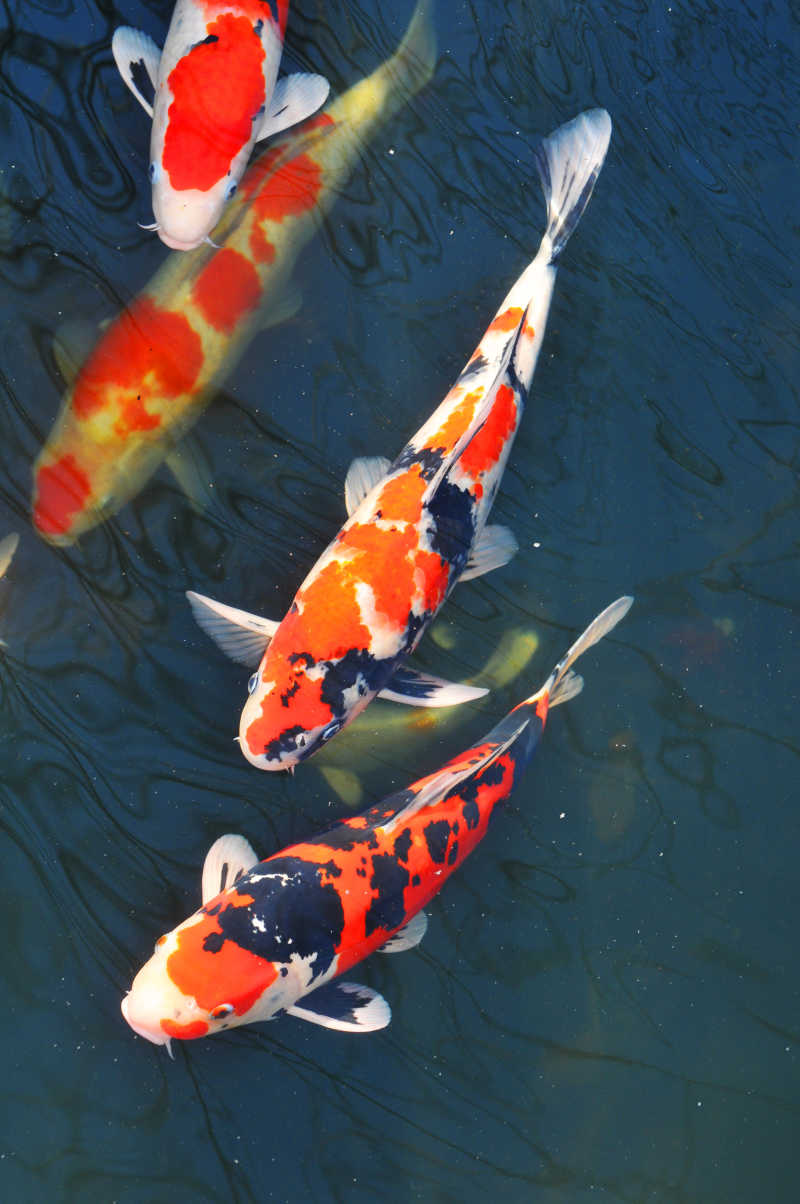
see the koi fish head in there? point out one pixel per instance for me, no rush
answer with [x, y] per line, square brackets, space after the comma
[282, 725]
[198, 982]
[184, 217]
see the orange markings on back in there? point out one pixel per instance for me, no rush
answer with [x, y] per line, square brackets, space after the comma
[507, 321]
[185, 1032]
[456, 423]
[231, 975]
[291, 191]
[61, 492]
[218, 92]
[147, 351]
[483, 452]
[226, 289]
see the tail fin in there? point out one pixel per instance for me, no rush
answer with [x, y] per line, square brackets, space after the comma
[563, 684]
[569, 163]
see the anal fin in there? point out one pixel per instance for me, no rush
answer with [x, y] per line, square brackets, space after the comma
[493, 548]
[345, 1006]
[407, 937]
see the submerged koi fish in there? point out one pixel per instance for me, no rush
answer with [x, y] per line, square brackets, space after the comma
[156, 366]
[416, 526]
[272, 935]
[216, 95]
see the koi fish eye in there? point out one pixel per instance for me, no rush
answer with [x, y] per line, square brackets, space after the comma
[231, 190]
[152, 171]
[253, 682]
[331, 730]
[221, 1011]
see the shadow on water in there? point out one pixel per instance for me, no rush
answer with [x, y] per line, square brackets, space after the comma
[604, 1006]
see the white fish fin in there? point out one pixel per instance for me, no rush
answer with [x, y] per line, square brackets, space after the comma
[561, 684]
[241, 636]
[407, 937]
[8, 547]
[72, 344]
[362, 477]
[226, 861]
[295, 98]
[439, 784]
[569, 162]
[346, 1006]
[191, 470]
[417, 689]
[494, 547]
[133, 49]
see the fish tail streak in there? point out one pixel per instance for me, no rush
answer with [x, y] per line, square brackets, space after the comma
[394, 83]
[563, 684]
[569, 163]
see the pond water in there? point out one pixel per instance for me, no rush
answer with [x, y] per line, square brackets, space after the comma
[605, 1006]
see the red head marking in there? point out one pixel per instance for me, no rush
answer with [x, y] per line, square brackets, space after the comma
[217, 90]
[229, 975]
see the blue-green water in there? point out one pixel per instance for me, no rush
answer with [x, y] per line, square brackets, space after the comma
[605, 1006]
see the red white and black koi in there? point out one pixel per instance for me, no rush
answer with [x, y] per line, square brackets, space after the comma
[416, 526]
[272, 935]
[215, 95]
[155, 368]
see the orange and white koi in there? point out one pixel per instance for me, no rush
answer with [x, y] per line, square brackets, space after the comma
[216, 93]
[273, 936]
[416, 525]
[155, 368]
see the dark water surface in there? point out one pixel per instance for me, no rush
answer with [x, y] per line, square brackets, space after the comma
[605, 1006]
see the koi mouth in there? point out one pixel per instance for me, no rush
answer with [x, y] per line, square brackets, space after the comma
[158, 1038]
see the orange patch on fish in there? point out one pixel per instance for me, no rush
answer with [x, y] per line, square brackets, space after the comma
[507, 321]
[61, 492]
[217, 977]
[456, 422]
[226, 289]
[147, 350]
[217, 90]
[293, 190]
[483, 452]
[185, 1032]
[329, 624]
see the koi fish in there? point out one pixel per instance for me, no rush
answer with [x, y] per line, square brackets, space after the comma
[216, 95]
[272, 936]
[416, 526]
[155, 368]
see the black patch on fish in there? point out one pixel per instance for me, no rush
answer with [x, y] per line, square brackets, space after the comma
[429, 461]
[471, 813]
[258, 27]
[453, 854]
[452, 511]
[342, 836]
[346, 672]
[402, 844]
[362, 873]
[290, 693]
[390, 879]
[437, 833]
[212, 37]
[285, 742]
[214, 942]
[297, 912]
[415, 881]
[294, 657]
[142, 80]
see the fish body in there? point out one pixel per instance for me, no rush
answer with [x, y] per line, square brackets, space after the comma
[282, 929]
[416, 525]
[215, 96]
[156, 366]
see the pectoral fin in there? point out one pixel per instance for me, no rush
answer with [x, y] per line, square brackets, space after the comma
[424, 690]
[72, 344]
[295, 98]
[494, 547]
[191, 470]
[345, 1006]
[407, 937]
[362, 477]
[136, 54]
[241, 636]
[226, 861]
